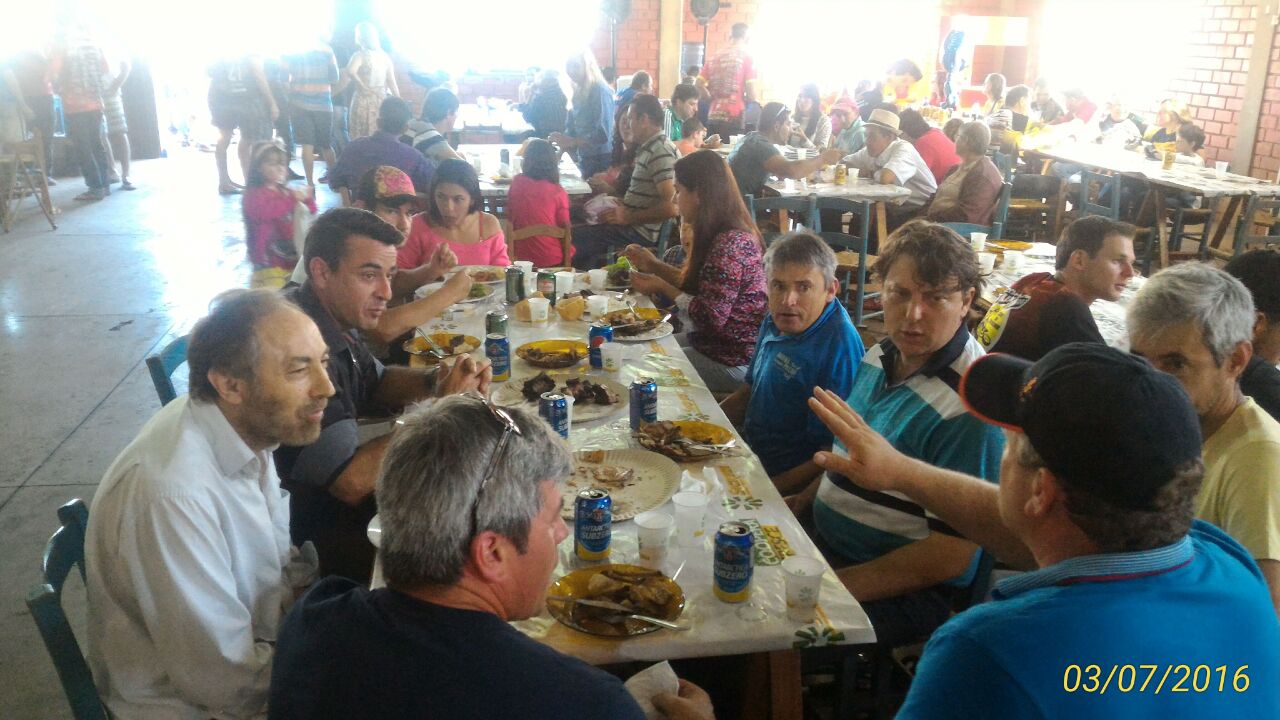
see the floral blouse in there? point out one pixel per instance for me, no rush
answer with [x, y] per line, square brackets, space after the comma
[731, 301]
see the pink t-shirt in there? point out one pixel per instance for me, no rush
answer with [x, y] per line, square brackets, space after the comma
[538, 202]
[423, 241]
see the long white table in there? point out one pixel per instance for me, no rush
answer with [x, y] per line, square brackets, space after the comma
[490, 158]
[744, 493]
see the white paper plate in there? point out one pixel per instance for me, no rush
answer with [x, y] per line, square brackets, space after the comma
[656, 479]
[659, 332]
[497, 269]
[429, 288]
[508, 395]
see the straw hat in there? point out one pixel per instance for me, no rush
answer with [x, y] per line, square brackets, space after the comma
[885, 120]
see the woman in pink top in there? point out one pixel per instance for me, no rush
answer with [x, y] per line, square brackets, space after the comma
[268, 208]
[454, 217]
[536, 198]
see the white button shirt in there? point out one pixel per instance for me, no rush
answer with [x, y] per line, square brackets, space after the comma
[189, 570]
[901, 158]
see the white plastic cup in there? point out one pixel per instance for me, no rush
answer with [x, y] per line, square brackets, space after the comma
[598, 278]
[564, 282]
[569, 400]
[691, 508]
[611, 356]
[1012, 260]
[597, 305]
[525, 266]
[789, 185]
[1220, 168]
[987, 262]
[517, 164]
[538, 309]
[803, 578]
[654, 533]
[978, 240]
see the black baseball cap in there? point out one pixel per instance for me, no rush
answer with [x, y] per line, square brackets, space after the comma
[1101, 419]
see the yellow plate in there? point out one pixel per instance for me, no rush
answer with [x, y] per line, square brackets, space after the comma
[577, 347]
[696, 431]
[1013, 245]
[579, 618]
[421, 353]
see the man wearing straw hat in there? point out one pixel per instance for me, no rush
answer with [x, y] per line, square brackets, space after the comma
[889, 160]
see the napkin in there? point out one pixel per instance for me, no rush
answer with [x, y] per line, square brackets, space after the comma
[653, 680]
[705, 481]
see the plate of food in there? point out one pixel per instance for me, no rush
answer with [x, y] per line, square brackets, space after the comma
[478, 292]
[643, 591]
[685, 440]
[593, 399]
[451, 344]
[1018, 245]
[637, 480]
[486, 274]
[619, 277]
[637, 324]
[552, 354]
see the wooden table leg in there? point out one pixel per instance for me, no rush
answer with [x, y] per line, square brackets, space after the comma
[882, 224]
[1224, 222]
[784, 685]
[783, 217]
[1162, 229]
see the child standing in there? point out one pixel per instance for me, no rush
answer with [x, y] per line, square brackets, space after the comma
[268, 209]
[536, 198]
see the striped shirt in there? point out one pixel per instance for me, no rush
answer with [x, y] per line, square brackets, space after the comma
[923, 418]
[672, 125]
[655, 163]
[313, 74]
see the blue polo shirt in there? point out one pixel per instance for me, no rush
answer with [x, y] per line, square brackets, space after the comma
[779, 426]
[923, 417]
[1200, 602]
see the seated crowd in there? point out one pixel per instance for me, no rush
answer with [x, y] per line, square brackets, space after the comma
[228, 564]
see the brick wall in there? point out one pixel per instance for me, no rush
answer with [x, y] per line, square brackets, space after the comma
[637, 40]
[720, 26]
[1266, 150]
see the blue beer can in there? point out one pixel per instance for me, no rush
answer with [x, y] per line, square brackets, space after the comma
[734, 562]
[553, 408]
[592, 524]
[597, 336]
[644, 402]
[498, 350]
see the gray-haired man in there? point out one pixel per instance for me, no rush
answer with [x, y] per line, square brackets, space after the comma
[806, 341]
[1195, 322]
[470, 503]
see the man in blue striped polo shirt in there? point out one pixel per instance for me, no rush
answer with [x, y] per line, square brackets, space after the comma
[1136, 608]
[902, 564]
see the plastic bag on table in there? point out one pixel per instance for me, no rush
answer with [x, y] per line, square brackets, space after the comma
[597, 205]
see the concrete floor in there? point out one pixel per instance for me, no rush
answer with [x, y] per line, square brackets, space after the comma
[81, 307]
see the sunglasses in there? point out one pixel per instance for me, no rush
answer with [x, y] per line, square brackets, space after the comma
[508, 427]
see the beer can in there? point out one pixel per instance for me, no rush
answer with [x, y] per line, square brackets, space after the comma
[495, 323]
[597, 336]
[555, 410]
[644, 402]
[842, 174]
[734, 562]
[547, 285]
[592, 524]
[498, 350]
[515, 285]
[1168, 161]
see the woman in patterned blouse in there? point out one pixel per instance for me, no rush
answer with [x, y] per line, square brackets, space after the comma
[721, 287]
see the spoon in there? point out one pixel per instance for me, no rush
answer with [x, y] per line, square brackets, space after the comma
[431, 344]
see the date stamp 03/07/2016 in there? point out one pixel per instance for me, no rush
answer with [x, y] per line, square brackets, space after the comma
[1155, 679]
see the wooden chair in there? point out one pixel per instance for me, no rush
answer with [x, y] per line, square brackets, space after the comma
[804, 206]
[563, 234]
[1257, 211]
[17, 182]
[1039, 201]
[1107, 200]
[994, 231]
[162, 364]
[852, 258]
[64, 551]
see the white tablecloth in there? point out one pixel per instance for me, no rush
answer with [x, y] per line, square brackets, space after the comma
[856, 189]
[743, 492]
[1183, 177]
[490, 158]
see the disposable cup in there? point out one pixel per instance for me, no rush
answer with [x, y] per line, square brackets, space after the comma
[538, 309]
[1012, 260]
[987, 262]
[598, 305]
[978, 240]
[611, 356]
[654, 533]
[598, 277]
[803, 578]
[691, 508]
[525, 266]
[1220, 168]
[564, 282]
[568, 401]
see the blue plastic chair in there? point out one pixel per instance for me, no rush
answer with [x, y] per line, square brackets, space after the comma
[162, 365]
[853, 280]
[64, 551]
[994, 231]
[804, 209]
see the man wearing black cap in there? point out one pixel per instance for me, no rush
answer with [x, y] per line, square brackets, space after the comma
[1132, 598]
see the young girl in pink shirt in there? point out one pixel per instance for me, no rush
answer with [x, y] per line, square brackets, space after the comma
[268, 208]
[454, 217]
[536, 198]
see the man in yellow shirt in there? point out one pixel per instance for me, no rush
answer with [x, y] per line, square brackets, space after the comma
[1195, 322]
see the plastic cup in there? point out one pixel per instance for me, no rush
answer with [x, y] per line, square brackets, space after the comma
[789, 185]
[1012, 260]
[987, 262]
[597, 305]
[538, 309]
[1220, 168]
[598, 277]
[564, 282]
[803, 578]
[691, 508]
[569, 400]
[654, 533]
[611, 356]
[978, 240]
[525, 266]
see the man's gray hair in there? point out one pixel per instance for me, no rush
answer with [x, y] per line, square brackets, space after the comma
[430, 477]
[1218, 304]
[802, 249]
[973, 138]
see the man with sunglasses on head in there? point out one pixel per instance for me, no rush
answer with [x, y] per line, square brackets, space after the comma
[470, 504]
[351, 260]
[757, 156]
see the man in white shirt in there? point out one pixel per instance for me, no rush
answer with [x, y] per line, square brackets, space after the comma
[889, 160]
[190, 569]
